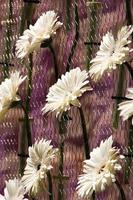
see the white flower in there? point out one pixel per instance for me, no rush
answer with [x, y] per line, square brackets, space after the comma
[8, 92]
[126, 107]
[44, 28]
[113, 51]
[14, 190]
[99, 171]
[41, 154]
[65, 92]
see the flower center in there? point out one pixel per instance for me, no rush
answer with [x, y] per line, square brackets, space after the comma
[38, 166]
[101, 169]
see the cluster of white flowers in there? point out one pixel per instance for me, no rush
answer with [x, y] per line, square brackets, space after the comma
[39, 162]
[8, 92]
[44, 28]
[114, 51]
[99, 171]
[41, 154]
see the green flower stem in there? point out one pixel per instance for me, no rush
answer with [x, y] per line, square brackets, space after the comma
[93, 195]
[75, 39]
[119, 93]
[26, 129]
[92, 43]
[8, 41]
[62, 131]
[22, 148]
[120, 98]
[129, 69]
[55, 62]
[68, 15]
[27, 107]
[93, 8]
[32, 1]
[122, 194]
[61, 163]
[85, 135]
[26, 136]
[50, 186]
[27, 13]
[130, 151]
[128, 12]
